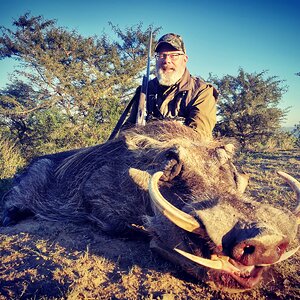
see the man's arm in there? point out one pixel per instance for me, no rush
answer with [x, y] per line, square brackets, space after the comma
[202, 111]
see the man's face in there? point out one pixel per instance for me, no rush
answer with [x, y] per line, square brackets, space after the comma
[170, 65]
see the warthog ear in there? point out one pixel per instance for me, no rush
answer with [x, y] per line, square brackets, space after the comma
[225, 153]
[241, 182]
[171, 164]
[140, 178]
[240, 179]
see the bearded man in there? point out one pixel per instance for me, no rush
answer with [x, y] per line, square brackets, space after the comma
[174, 93]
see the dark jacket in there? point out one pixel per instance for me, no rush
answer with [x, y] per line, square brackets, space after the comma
[191, 99]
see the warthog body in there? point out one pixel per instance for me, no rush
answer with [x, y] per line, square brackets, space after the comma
[185, 192]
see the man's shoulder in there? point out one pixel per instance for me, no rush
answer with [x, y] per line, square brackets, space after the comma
[200, 84]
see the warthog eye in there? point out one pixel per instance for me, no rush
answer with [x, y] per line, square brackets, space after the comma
[249, 249]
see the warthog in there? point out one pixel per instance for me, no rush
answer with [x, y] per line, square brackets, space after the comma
[183, 191]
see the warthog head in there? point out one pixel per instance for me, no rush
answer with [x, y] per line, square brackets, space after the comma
[204, 221]
[185, 192]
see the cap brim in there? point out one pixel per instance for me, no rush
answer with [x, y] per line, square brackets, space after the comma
[162, 43]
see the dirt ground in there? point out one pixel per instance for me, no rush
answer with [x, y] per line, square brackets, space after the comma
[46, 260]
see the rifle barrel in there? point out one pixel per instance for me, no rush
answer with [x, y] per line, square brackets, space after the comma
[142, 106]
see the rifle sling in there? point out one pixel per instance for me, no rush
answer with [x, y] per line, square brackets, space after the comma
[121, 120]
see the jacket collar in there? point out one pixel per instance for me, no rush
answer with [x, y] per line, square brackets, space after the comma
[185, 83]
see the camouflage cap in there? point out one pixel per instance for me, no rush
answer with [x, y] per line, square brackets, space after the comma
[172, 39]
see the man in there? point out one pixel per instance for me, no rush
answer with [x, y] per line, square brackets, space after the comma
[174, 93]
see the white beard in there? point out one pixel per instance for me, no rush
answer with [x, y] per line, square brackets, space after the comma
[168, 79]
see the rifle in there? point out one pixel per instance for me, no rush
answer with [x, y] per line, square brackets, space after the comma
[142, 107]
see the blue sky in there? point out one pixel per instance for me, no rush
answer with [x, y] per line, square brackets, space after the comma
[220, 35]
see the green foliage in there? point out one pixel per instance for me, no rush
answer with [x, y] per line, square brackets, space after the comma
[279, 140]
[69, 90]
[248, 106]
[10, 158]
[296, 133]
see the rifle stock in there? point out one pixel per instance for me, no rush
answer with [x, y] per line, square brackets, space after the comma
[142, 108]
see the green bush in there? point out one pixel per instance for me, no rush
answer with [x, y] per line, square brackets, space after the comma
[280, 140]
[296, 133]
[10, 159]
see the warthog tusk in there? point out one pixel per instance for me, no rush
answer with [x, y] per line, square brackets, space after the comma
[283, 257]
[217, 263]
[295, 185]
[175, 215]
[222, 262]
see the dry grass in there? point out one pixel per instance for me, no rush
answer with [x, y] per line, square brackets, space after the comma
[10, 158]
[44, 260]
